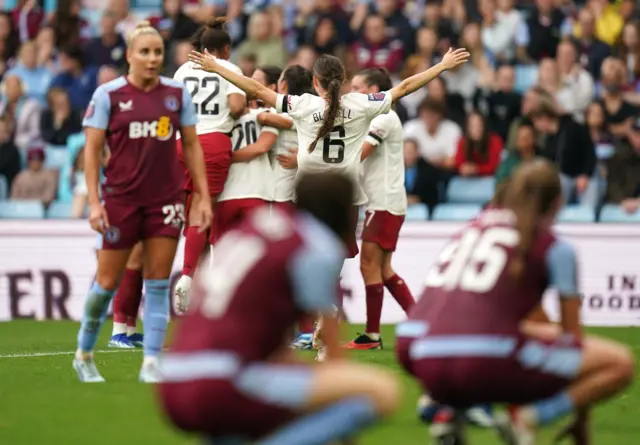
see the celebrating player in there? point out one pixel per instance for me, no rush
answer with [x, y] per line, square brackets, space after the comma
[218, 103]
[137, 116]
[383, 183]
[338, 122]
[471, 318]
[266, 272]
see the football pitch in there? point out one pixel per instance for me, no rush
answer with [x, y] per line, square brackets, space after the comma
[41, 402]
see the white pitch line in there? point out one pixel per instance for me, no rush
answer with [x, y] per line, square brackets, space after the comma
[50, 354]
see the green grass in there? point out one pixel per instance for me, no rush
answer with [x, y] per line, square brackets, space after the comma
[42, 403]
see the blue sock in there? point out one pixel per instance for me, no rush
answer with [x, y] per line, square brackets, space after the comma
[95, 312]
[550, 409]
[156, 315]
[330, 424]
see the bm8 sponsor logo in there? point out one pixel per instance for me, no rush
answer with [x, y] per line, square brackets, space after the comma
[162, 129]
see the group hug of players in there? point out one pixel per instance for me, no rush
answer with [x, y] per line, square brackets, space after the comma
[230, 374]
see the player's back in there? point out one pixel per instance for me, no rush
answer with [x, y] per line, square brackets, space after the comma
[249, 304]
[210, 94]
[471, 289]
[284, 178]
[253, 179]
[383, 170]
[342, 149]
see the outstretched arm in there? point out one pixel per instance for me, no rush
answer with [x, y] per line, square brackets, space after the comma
[451, 60]
[261, 146]
[253, 88]
[275, 120]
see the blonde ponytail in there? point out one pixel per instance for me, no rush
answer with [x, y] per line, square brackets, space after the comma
[142, 28]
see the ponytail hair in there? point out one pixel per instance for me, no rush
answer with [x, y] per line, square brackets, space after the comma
[299, 80]
[330, 73]
[214, 36]
[532, 194]
[142, 28]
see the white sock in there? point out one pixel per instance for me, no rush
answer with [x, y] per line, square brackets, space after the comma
[374, 336]
[119, 328]
[149, 360]
[131, 330]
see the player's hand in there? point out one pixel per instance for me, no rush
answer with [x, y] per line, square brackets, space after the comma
[289, 160]
[98, 218]
[205, 62]
[203, 215]
[454, 59]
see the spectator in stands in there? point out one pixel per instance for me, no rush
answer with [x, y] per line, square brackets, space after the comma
[437, 90]
[525, 150]
[609, 22]
[549, 79]
[79, 81]
[109, 47]
[413, 65]
[248, 64]
[544, 26]
[569, 146]
[10, 162]
[262, 44]
[35, 77]
[397, 24]
[577, 88]
[180, 56]
[24, 112]
[69, 28]
[107, 74]
[325, 38]
[28, 16]
[306, 57]
[592, 51]
[59, 121]
[506, 13]
[600, 136]
[416, 174]
[442, 26]
[375, 49]
[36, 182]
[427, 46]
[310, 13]
[467, 77]
[628, 11]
[9, 42]
[46, 50]
[174, 25]
[627, 49]
[458, 13]
[127, 21]
[437, 139]
[479, 149]
[500, 103]
[619, 114]
[623, 181]
[497, 34]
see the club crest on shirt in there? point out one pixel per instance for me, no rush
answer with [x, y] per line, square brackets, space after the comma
[376, 97]
[171, 102]
[112, 235]
[90, 109]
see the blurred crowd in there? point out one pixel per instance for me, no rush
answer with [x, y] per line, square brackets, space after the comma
[548, 78]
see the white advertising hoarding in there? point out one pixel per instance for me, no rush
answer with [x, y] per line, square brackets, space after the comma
[46, 268]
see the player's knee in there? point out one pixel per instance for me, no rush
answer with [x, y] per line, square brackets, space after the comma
[107, 282]
[386, 394]
[369, 268]
[625, 366]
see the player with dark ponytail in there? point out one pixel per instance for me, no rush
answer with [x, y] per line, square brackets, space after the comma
[218, 103]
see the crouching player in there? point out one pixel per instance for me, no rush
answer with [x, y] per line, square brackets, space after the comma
[266, 273]
[468, 340]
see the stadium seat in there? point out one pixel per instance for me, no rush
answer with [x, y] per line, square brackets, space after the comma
[577, 214]
[612, 213]
[471, 190]
[59, 210]
[4, 188]
[417, 212]
[526, 76]
[56, 156]
[456, 212]
[21, 210]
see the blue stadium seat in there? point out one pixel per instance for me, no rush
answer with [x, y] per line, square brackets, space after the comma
[526, 76]
[56, 156]
[456, 212]
[59, 210]
[577, 214]
[21, 210]
[417, 212]
[4, 188]
[471, 190]
[612, 213]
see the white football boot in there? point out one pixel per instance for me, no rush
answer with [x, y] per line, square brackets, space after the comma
[87, 371]
[183, 294]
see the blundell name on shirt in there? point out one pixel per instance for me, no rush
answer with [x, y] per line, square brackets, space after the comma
[344, 113]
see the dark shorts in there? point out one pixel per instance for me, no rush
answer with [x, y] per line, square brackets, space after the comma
[230, 213]
[250, 403]
[352, 241]
[130, 223]
[466, 370]
[216, 148]
[382, 228]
